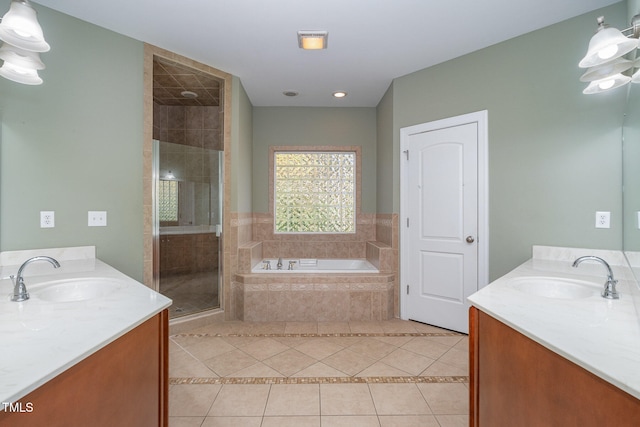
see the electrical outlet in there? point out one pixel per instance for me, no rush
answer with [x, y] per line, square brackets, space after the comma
[603, 219]
[97, 219]
[47, 219]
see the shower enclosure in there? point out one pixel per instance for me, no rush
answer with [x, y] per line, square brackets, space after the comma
[187, 218]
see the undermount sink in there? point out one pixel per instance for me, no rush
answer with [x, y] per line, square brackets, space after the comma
[554, 287]
[76, 289]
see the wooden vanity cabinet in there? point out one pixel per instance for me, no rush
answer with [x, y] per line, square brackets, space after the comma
[122, 384]
[517, 382]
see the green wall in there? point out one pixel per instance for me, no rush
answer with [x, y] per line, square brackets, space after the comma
[386, 154]
[554, 153]
[313, 126]
[74, 144]
[241, 149]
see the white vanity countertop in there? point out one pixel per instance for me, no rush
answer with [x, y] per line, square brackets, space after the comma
[41, 339]
[601, 335]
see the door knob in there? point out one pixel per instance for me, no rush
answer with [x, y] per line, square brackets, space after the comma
[470, 239]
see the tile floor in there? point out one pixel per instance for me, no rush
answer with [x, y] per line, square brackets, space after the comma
[191, 292]
[391, 373]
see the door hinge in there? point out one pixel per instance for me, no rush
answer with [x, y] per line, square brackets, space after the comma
[407, 153]
[407, 289]
[407, 221]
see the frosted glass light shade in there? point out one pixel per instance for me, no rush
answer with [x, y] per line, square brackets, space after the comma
[21, 58]
[636, 77]
[607, 44]
[20, 28]
[602, 85]
[607, 69]
[27, 76]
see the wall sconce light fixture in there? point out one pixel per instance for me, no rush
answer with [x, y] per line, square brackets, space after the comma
[605, 63]
[23, 41]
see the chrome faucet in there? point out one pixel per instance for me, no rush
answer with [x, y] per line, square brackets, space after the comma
[291, 264]
[610, 286]
[19, 288]
[279, 265]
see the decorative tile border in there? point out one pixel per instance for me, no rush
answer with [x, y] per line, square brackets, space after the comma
[314, 335]
[319, 380]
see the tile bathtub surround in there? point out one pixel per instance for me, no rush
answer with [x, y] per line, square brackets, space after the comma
[293, 374]
[311, 297]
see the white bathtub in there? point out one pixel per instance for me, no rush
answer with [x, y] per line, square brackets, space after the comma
[316, 266]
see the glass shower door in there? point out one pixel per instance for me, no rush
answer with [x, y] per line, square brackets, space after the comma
[187, 217]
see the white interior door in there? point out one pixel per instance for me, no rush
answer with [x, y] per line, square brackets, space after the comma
[440, 249]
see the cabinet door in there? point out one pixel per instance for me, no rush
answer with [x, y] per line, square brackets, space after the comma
[122, 384]
[518, 382]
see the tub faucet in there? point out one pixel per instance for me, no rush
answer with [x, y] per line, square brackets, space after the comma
[291, 264]
[609, 291]
[19, 288]
[279, 265]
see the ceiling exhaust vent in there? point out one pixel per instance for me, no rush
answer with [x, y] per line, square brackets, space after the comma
[313, 40]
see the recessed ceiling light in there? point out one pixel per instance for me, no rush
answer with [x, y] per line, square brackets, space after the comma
[290, 93]
[340, 94]
[313, 40]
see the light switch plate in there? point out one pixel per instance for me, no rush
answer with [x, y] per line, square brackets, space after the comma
[97, 218]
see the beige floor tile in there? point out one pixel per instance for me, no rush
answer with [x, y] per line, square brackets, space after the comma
[230, 362]
[448, 341]
[240, 400]
[239, 341]
[191, 400]
[289, 362]
[183, 364]
[380, 369]
[366, 327]
[268, 328]
[397, 341]
[346, 399]
[398, 399]
[408, 421]
[453, 420]
[372, 347]
[407, 361]
[303, 421]
[259, 370]
[186, 421]
[301, 328]
[173, 346]
[264, 348]
[351, 421]
[439, 369]
[456, 358]
[333, 328]
[397, 325]
[349, 362]
[319, 348]
[204, 347]
[423, 327]
[447, 399]
[463, 344]
[232, 422]
[319, 370]
[345, 341]
[293, 399]
[427, 347]
[293, 341]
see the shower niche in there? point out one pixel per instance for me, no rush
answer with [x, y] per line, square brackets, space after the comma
[188, 161]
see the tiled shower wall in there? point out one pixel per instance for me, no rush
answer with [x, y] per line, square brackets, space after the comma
[194, 126]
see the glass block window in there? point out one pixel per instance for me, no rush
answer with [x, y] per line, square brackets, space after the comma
[168, 200]
[315, 192]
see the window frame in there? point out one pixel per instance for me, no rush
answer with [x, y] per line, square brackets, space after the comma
[356, 150]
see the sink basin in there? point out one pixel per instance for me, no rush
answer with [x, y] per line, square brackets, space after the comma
[76, 289]
[554, 287]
